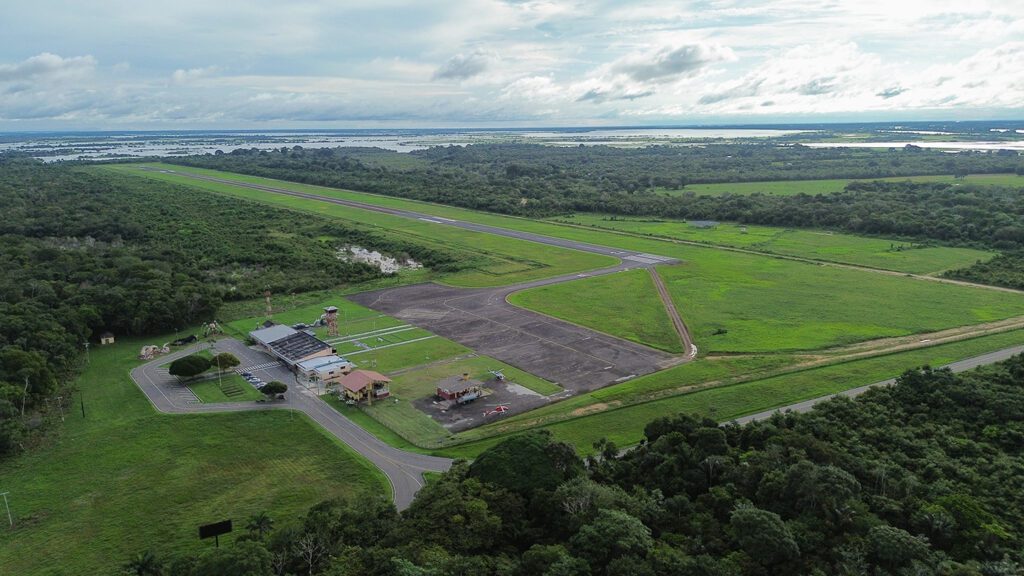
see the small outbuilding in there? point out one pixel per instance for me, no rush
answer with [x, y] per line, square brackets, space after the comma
[359, 385]
[459, 390]
[106, 338]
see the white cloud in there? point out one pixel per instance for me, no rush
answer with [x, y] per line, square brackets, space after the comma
[464, 66]
[465, 61]
[183, 76]
[46, 67]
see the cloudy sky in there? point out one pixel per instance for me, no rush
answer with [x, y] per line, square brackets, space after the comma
[122, 64]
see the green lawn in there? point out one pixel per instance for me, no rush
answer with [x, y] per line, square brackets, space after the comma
[495, 260]
[352, 318]
[412, 354]
[764, 303]
[421, 382]
[746, 303]
[396, 344]
[625, 425]
[624, 304]
[125, 478]
[870, 306]
[701, 373]
[403, 426]
[901, 256]
[793, 187]
[229, 388]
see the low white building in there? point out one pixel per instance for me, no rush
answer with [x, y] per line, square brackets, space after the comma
[327, 370]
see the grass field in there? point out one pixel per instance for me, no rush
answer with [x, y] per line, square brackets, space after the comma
[125, 478]
[495, 260]
[352, 318]
[764, 304]
[794, 187]
[398, 415]
[624, 304]
[746, 303]
[407, 355]
[845, 248]
[886, 254]
[625, 425]
[229, 388]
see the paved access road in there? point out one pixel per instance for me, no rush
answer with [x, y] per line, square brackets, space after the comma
[404, 470]
[958, 366]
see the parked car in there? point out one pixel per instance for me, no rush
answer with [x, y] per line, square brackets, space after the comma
[246, 375]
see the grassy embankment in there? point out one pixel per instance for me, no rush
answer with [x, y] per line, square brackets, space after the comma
[126, 478]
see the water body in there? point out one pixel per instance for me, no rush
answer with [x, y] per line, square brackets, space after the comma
[127, 145]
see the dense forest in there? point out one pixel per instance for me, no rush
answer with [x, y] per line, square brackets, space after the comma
[536, 180]
[1004, 270]
[541, 180]
[923, 477]
[85, 252]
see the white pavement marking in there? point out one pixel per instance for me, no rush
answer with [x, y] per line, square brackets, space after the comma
[391, 345]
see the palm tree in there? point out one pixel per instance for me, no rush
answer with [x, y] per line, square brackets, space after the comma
[260, 524]
[144, 564]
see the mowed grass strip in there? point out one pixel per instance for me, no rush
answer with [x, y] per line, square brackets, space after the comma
[856, 305]
[624, 426]
[502, 260]
[746, 303]
[886, 254]
[623, 304]
[125, 478]
[829, 186]
[684, 378]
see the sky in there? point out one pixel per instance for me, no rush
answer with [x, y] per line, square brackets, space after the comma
[139, 64]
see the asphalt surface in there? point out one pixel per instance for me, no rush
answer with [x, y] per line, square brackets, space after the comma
[958, 366]
[637, 258]
[404, 470]
[577, 358]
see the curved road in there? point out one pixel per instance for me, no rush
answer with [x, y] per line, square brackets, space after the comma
[404, 470]
[958, 366]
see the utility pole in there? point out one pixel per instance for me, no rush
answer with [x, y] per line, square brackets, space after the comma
[81, 395]
[86, 351]
[10, 520]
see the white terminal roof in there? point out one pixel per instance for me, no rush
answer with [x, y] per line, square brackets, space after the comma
[273, 334]
[323, 363]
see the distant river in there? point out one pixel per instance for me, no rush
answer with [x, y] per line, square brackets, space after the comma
[52, 147]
